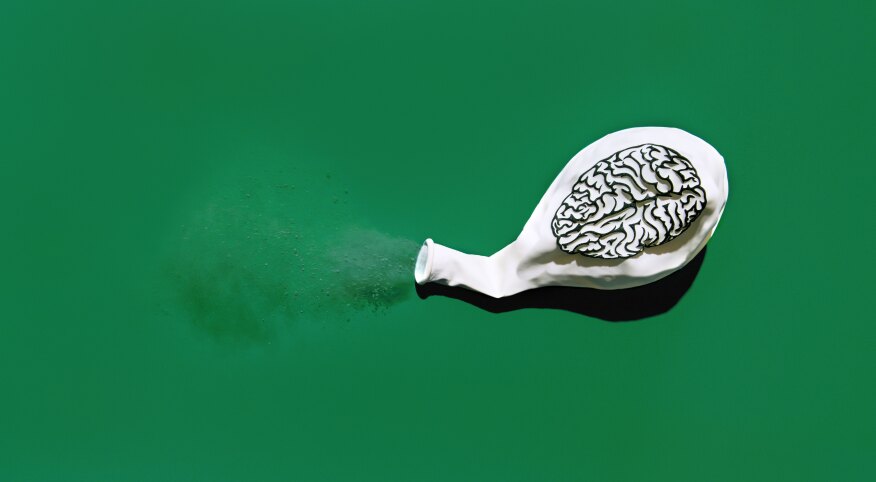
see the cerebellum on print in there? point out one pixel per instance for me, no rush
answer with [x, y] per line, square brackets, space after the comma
[640, 197]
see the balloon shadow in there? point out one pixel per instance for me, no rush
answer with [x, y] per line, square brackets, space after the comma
[611, 305]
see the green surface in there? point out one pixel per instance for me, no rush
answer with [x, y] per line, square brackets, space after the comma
[163, 161]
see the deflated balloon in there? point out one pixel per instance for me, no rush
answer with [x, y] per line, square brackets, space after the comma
[629, 209]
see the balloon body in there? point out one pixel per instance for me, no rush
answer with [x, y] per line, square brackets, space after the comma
[627, 210]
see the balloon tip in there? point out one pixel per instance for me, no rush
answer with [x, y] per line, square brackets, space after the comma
[423, 267]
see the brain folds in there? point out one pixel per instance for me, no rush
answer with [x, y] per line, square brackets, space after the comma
[637, 198]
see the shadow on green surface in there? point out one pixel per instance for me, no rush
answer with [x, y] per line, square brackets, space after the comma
[611, 305]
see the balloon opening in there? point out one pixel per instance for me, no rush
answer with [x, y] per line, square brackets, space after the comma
[423, 267]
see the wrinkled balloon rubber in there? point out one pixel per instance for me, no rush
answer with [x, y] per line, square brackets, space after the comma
[627, 210]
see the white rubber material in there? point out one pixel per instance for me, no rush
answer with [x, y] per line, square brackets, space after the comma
[534, 259]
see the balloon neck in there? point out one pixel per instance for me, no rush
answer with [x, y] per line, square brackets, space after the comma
[440, 264]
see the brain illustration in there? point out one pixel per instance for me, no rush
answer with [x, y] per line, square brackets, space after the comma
[637, 198]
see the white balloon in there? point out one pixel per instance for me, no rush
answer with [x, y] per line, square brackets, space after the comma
[627, 210]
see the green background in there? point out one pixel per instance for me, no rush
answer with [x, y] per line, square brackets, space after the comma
[119, 120]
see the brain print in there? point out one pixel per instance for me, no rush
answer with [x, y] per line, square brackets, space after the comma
[637, 198]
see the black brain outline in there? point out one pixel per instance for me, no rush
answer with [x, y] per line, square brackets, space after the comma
[637, 198]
